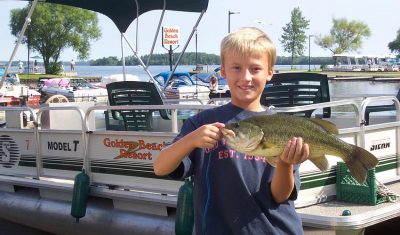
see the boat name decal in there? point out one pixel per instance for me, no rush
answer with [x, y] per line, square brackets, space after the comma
[63, 146]
[130, 149]
[380, 144]
[9, 152]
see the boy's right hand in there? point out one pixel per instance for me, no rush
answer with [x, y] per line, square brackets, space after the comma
[207, 135]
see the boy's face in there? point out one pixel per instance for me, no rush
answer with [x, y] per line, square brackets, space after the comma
[246, 77]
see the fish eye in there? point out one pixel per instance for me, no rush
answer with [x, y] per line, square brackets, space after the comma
[236, 125]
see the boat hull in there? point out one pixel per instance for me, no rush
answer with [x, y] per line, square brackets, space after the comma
[33, 100]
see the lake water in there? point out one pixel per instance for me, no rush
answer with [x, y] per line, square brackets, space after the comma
[341, 89]
[345, 89]
[338, 89]
[101, 71]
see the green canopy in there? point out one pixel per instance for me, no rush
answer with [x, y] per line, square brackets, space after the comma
[123, 12]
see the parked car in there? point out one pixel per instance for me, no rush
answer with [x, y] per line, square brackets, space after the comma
[181, 86]
[73, 89]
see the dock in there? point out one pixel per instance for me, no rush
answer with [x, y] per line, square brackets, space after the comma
[364, 78]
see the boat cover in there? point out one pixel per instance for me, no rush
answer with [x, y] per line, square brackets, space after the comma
[123, 12]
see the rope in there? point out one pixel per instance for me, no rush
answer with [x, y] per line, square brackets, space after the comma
[384, 192]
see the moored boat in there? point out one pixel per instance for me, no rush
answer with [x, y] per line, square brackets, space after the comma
[13, 93]
[357, 62]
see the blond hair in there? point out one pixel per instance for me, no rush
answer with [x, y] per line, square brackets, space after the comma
[249, 41]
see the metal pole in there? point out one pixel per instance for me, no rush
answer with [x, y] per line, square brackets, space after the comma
[229, 19]
[123, 58]
[196, 47]
[170, 51]
[309, 52]
[156, 35]
[184, 48]
[21, 35]
[197, 89]
[137, 26]
[29, 46]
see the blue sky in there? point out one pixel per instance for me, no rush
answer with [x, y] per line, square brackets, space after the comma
[271, 16]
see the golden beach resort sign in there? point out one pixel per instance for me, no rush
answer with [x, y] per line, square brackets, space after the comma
[170, 36]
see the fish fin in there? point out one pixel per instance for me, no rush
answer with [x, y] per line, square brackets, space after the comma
[360, 162]
[321, 162]
[328, 126]
[271, 160]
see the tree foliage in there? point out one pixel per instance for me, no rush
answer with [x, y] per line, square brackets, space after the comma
[345, 36]
[294, 36]
[189, 58]
[54, 28]
[394, 45]
[111, 60]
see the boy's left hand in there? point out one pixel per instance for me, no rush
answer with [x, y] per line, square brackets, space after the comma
[295, 152]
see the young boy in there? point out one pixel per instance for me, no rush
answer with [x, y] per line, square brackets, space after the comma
[236, 193]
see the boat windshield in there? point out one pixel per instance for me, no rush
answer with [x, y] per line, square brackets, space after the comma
[175, 81]
[80, 83]
[12, 79]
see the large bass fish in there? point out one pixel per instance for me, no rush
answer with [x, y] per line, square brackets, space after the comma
[267, 136]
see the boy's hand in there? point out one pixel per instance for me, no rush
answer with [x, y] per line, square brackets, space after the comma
[295, 152]
[207, 135]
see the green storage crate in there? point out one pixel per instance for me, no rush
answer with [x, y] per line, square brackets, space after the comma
[349, 190]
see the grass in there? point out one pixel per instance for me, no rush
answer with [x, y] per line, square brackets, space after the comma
[36, 76]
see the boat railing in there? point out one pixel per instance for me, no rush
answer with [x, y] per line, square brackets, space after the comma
[367, 108]
[124, 158]
[179, 101]
[389, 132]
[32, 112]
[14, 126]
[172, 107]
[351, 102]
[61, 144]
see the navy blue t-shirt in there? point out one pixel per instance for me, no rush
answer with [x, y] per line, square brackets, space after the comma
[232, 190]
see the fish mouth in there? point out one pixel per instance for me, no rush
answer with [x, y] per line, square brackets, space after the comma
[239, 142]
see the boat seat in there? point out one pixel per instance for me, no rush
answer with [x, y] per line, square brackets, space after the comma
[296, 89]
[379, 108]
[134, 93]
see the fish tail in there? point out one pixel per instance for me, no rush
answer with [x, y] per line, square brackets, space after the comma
[359, 162]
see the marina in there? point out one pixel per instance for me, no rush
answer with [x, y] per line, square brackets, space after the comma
[46, 148]
[55, 153]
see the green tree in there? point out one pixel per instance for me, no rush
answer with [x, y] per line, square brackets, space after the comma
[345, 36]
[55, 27]
[294, 36]
[394, 45]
